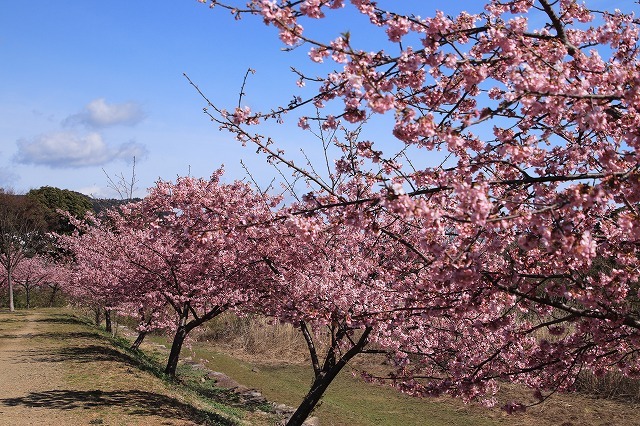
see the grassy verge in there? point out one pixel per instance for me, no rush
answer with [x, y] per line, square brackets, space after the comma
[348, 401]
[351, 401]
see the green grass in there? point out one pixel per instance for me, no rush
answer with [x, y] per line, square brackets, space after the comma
[348, 401]
[188, 381]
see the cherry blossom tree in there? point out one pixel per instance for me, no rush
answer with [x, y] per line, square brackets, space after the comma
[22, 232]
[186, 247]
[200, 249]
[99, 277]
[337, 280]
[149, 316]
[512, 160]
[37, 271]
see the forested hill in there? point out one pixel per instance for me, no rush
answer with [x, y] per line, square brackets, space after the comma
[74, 202]
[42, 206]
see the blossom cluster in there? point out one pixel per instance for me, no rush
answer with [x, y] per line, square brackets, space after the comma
[526, 235]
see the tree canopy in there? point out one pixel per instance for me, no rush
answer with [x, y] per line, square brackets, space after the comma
[505, 143]
[52, 200]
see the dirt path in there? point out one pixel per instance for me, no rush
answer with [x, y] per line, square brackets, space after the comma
[55, 370]
[21, 373]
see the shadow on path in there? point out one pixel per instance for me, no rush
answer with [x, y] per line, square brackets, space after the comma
[81, 354]
[135, 402]
[12, 320]
[60, 319]
[11, 336]
[57, 336]
[23, 318]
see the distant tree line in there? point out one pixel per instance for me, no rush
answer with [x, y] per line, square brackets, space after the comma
[27, 256]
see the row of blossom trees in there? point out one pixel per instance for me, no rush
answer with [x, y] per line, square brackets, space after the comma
[186, 247]
[25, 259]
[196, 248]
[513, 256]
[40, 272]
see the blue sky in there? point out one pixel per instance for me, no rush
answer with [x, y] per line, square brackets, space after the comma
[87, 85]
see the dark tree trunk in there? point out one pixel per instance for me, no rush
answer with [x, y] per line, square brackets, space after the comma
[138, 341]
[27, 291]
[97, 317]
[320, 385]
[107, 321]
[176, 347]
[324, 376]
[184, 327]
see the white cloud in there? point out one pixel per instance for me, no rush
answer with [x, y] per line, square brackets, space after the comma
[69, 149]
[98, 113]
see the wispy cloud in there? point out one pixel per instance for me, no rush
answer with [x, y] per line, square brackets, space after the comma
[70, 149]
[98, 114]
[7, 177]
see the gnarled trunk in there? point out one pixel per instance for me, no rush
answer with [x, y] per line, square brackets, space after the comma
[176, 346]
[325, 375]
[136, 344]
[184, 327]
[319, 386]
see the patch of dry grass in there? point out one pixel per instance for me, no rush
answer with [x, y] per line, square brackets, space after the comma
[612, 386]
[255, 337]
